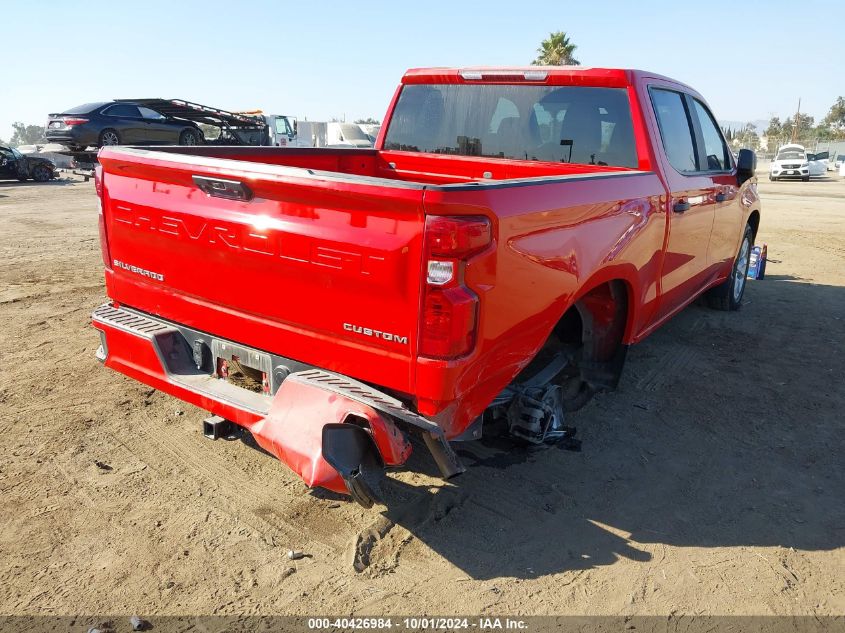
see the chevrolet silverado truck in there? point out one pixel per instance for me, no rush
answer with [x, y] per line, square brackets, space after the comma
[483, 268]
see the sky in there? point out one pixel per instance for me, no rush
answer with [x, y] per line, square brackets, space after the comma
[317, 59]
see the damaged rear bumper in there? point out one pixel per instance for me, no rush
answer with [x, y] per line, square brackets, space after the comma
[298, 416]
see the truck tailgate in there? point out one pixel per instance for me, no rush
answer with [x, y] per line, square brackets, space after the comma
[318, 267]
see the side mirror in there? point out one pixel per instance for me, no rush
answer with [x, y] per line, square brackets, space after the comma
[745, 165]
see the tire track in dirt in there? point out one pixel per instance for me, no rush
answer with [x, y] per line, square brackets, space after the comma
[665, 370]
[164, 447]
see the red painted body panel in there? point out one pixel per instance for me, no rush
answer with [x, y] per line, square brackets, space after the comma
[292, 431]
[135, 357]
[331, 246]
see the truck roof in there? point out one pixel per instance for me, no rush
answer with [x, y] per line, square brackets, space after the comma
[542, 75]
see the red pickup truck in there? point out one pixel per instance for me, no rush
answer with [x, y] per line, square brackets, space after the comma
[487, 264]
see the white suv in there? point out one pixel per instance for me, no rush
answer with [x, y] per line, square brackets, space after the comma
[790, 162]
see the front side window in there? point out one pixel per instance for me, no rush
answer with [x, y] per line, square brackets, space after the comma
[715, 150]
[282, 127]
[566, 124]
[675, 129]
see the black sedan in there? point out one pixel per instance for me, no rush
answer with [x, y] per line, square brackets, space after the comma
[13, 164]
[119, 123]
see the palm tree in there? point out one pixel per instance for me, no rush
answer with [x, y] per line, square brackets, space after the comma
[556, 50]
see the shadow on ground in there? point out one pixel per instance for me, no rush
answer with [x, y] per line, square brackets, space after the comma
[739, 445]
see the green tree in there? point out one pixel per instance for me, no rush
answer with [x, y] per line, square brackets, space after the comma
[775, 134]
[556, 50]
[775, 129]
[823, 132]
[802, 125]
[747, 137]
[368, 121]
[835, 119]
[27, 134]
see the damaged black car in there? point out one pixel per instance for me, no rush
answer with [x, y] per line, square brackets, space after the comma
[13, 164]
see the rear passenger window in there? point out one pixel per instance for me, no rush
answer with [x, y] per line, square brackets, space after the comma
[714, 146]
[675, 130]
[122, 110]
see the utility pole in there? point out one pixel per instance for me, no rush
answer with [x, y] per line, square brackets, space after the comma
[796, 121]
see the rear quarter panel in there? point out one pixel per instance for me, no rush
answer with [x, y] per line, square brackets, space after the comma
[554, 241]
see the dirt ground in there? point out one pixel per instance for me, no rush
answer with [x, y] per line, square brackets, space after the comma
[711, 482]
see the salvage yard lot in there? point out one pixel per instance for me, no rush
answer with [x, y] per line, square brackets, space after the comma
[711, 482]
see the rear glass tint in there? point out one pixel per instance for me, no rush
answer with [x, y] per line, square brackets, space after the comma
[85, 108]
[567, 124]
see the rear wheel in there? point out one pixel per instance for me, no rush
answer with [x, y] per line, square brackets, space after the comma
[109, 137]
[42, 173]
[189, 137]
[728, 294]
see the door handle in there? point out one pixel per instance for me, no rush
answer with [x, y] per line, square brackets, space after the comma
[221, 188]
[680, 206]
[721, 196]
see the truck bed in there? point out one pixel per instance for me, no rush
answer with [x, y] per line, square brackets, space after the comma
[409, 167]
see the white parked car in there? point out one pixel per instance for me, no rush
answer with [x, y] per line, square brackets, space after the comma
[840, 159]
[790, 162]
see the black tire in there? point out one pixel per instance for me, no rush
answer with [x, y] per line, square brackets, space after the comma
[190, 137]
[728, 294]
[42, 173]
[22, 178]
[805, 179]
[108, 137]
[772, 178]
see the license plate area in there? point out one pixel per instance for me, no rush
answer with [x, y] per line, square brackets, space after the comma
[242, 366]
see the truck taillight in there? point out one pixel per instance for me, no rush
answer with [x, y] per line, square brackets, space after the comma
[458, 237]
[450, 309]
[101, 218]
